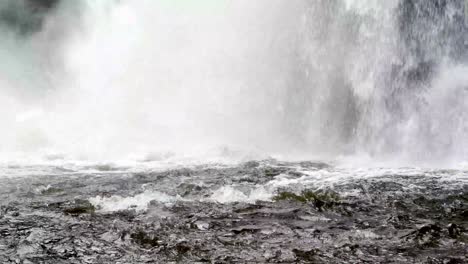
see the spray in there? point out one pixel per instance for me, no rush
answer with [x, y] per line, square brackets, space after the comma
[107, 80]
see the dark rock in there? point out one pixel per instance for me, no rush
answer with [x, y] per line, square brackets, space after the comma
[454, 230]
[320, 199]
[144, 239]
[79, 207]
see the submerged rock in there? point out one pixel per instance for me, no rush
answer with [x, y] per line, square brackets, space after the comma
[320, 199]
[145, 239]
[79, 207]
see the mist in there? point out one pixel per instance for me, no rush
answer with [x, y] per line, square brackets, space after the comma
[131, 79]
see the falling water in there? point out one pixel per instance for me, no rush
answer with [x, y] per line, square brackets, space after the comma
[131, 79]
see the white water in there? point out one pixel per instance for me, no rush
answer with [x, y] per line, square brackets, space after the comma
[152, 80]
[316, 179]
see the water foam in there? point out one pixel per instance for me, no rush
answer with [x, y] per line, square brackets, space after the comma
[139, 202]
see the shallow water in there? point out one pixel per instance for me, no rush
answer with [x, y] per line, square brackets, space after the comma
[225, 213]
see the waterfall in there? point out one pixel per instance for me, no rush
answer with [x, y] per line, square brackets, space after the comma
[114, 79]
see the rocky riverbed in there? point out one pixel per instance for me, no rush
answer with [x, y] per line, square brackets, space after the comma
[254, 212]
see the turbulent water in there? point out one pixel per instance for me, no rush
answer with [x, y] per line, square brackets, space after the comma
[265, 131]
[255, 212]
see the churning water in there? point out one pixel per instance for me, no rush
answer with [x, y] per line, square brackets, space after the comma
[151, 79]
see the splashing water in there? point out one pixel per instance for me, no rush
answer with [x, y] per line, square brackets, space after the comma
[107, 80]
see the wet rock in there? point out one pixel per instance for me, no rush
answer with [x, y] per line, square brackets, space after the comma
[79, 207]
[320, 199]
[274, 171]
[454, 230]
[186, 189]
[246, 229]
[305, 255]
[427, 236]
[182, 248]
[145, 239]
